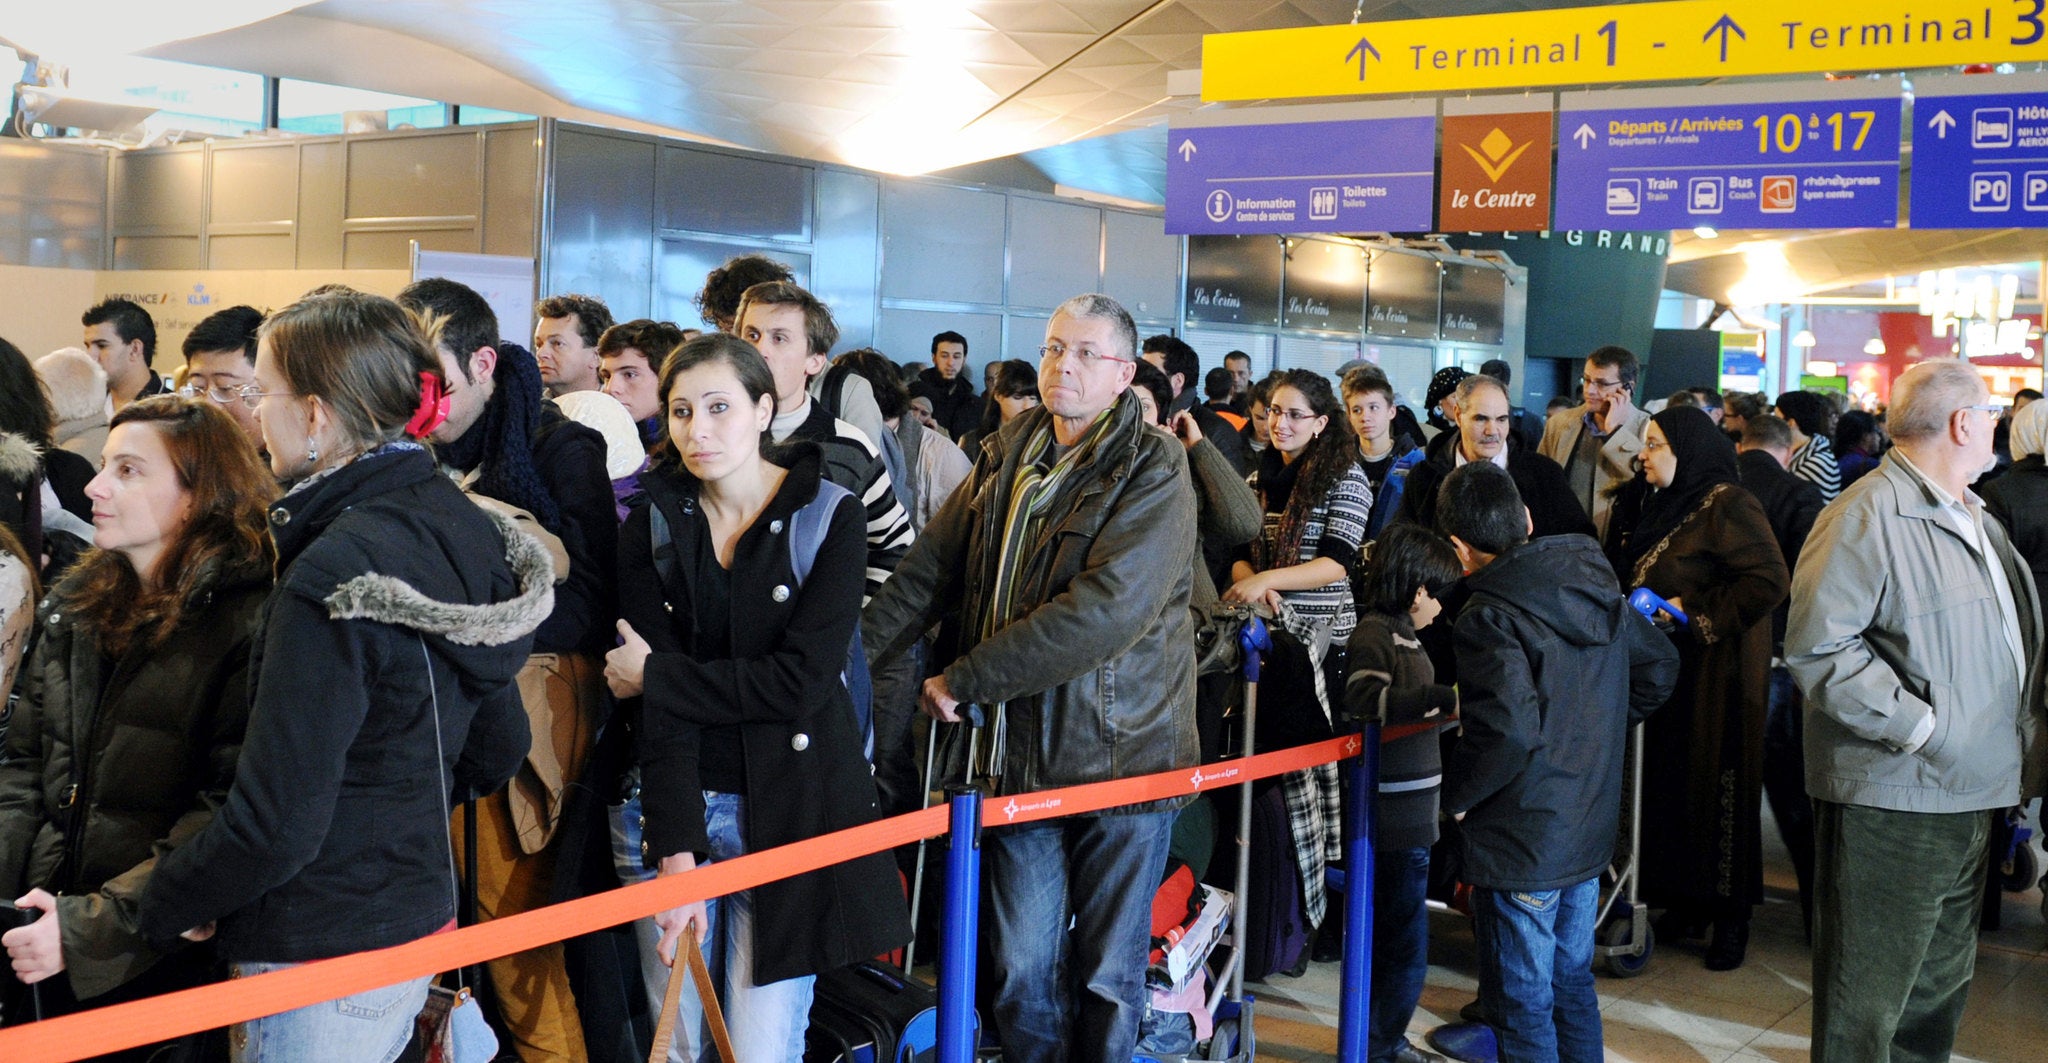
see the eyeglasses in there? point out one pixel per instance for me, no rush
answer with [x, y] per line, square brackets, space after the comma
[1995, 411]
[253, 396]
[1293, 416]
[247, 394]
[1603, 385]
[1650, 445]
[1089, 356]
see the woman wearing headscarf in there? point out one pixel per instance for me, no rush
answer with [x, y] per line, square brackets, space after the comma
[2019, 499]
[1686, 529]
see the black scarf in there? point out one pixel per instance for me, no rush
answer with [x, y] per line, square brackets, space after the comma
[501, 441]
[1706, 459]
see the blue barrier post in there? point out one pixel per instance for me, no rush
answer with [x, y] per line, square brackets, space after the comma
[958, 931]
[1361, 814]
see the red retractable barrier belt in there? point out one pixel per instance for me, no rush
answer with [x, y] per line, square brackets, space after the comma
[142, 1022]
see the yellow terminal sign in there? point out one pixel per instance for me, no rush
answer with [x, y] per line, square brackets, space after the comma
[1677, 40]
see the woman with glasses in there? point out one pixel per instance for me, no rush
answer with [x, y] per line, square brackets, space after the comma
[1686, 529]
[132, 709]
[1317, 504]
[381, 689]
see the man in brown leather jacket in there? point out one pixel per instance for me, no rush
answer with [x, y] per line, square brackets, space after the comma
[1062, 570]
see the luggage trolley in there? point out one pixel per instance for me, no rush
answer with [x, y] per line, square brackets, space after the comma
[1624, 940]
[1234, 1038]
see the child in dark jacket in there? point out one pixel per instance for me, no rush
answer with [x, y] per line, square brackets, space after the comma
[1392, 682]
[1553, 667]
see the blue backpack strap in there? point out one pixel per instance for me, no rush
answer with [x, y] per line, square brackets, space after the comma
[661, 539]
[808, 527]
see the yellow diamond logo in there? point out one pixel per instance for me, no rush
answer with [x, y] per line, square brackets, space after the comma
[1497, 157]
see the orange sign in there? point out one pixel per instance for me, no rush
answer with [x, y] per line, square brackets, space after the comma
[1496, 172]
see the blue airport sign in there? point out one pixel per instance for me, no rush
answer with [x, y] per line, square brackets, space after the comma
[1322, 168]
[1741, 157]
[1980, 152]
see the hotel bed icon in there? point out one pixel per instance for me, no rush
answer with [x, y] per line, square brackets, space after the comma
[1991, 127]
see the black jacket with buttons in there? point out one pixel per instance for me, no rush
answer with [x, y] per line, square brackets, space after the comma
[805, 771]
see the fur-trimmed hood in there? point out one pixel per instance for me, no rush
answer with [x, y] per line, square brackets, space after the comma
[19, 458]
[389, 600]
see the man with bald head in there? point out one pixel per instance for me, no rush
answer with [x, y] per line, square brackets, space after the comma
[1915, 635]
[1484, 421]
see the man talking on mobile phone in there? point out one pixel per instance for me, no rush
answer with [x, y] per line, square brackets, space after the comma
[1597, 441]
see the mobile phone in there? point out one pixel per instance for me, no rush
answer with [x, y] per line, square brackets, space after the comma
[12, 917]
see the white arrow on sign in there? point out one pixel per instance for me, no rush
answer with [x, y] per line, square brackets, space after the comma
[1187, 150]
[1941, 123]
[1584, 135]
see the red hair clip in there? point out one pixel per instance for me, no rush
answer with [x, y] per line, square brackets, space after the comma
[433, 408]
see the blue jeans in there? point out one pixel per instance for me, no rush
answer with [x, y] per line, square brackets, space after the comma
[1400, 947]
[1536, 972]
[627, 825]
[767, 1022]
[369, 1027]
[1078, 995]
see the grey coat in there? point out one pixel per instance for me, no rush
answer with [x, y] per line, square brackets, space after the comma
[1099, 672]
[1893, 618]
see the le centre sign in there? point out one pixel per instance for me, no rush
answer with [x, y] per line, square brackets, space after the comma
[1667, 41]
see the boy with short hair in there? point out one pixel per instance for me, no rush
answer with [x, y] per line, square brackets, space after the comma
[1553, 668]
[1385, 453]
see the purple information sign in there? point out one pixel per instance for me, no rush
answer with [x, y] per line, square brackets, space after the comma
[1980, 152]
[1819, 157]
[1298, 175]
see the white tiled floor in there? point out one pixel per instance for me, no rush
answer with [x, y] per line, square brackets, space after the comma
[1677, 1011]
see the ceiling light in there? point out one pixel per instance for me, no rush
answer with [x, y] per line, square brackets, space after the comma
[1873, 346]
[1705, 232]
[1767, 276]
[1804, 338]
[77, 32]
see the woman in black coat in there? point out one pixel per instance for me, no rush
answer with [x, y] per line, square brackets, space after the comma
[132, 707]
[2019, 499]
[1686, 529]
[381, 681]
[734, 641]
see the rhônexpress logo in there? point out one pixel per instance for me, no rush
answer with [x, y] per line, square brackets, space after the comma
[1013, 806]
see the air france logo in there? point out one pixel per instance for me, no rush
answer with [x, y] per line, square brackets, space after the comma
[1497, 157]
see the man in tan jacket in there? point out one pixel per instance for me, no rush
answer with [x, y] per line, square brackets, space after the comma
[1597, 441]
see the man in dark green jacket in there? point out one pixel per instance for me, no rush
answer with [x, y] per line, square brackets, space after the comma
[1062, 569]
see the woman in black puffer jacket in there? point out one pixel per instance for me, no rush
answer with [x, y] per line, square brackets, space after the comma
[401, 614]
[132, 707]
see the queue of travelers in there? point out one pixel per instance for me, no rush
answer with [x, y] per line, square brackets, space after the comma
[368, 621]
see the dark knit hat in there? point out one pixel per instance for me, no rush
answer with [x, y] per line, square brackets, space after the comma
[1443, 383]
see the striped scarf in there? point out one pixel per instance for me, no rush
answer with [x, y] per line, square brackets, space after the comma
[1038, 482]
